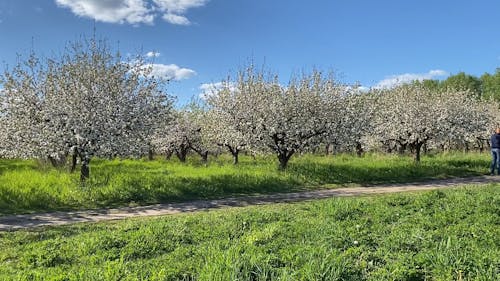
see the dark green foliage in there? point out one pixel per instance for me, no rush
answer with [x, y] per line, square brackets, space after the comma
[491, 85]
[463, 82]
[486, 87]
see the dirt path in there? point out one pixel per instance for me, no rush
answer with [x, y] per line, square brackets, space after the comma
[15, 222]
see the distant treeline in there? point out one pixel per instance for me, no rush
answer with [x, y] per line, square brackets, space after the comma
[487, 86]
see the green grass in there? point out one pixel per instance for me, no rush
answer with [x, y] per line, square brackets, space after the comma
[28, 186]
[437, 235]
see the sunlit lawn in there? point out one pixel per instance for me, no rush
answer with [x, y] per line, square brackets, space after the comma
[28, 186]
[436, 235]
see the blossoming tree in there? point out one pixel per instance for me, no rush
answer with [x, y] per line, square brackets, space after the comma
[186, 132]
[271, 117]
[88, 102]
[412, 115]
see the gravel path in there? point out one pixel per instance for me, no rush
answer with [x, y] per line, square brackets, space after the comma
[16, 222]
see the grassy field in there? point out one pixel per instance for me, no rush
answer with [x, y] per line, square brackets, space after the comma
[438, 235]
[28, 186]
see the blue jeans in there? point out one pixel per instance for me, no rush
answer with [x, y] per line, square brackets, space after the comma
[495, 160]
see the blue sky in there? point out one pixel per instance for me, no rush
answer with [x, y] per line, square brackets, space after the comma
[375, 43]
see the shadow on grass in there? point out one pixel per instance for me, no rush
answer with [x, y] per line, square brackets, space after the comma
[348, 174]
[167, 190]
[134, 191]
[16, 165]
[131, 183]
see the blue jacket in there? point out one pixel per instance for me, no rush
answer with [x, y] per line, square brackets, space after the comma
[495, 141]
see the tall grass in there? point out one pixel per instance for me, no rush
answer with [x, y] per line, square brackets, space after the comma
[437, 235]
[28, 186]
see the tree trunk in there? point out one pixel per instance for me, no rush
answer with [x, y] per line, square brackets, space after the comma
[204, 157]
[402, 148]
[480, 145]
[181, 154]
[333, 148]
[359, 149]
[283, 157]
[53, 162]
[417, 148]
[168, 154]
[235, 158]
[235, 152]
[203, 153]
[85, 169]
[73, 162]
[150, 154]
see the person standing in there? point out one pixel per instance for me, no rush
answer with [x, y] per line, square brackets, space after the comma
[495, 152]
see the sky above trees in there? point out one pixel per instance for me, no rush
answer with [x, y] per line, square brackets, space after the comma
[198, 42]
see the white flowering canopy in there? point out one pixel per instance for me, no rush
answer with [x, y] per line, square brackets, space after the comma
[89, 102]
[86, 102]
[256, 112]
[186, 132]
[412, 115]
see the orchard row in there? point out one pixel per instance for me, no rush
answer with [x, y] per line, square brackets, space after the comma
[93, 102]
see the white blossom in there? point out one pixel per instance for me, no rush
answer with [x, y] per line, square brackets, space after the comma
[86, 103]
[413, 115]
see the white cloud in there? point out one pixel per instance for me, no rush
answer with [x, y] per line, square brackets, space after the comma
[208, 89]
[171, 71]
[179, 6]
[176, 19]
[132, 11]
[152, 54]
[111, 11]
[395, 80]
[174, 10]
